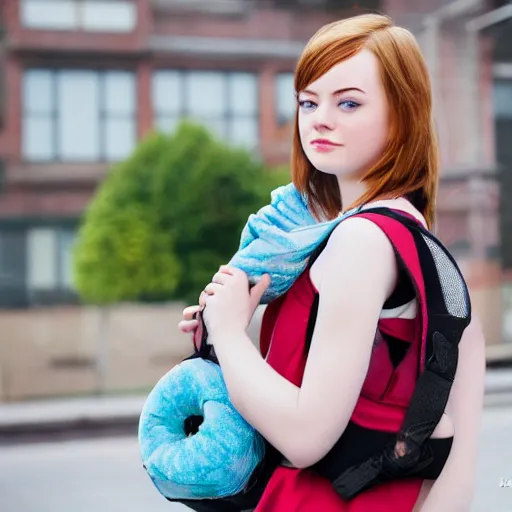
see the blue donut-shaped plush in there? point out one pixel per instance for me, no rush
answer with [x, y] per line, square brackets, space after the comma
[214, 462]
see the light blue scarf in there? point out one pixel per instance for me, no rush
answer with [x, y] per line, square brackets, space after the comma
[279, 239]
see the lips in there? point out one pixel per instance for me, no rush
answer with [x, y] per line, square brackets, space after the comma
[324, 142]
[324, 145]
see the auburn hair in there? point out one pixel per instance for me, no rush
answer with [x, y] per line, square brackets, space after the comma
[409, 166]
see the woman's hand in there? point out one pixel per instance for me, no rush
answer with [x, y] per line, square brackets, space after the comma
[230, 304]
[189, 323]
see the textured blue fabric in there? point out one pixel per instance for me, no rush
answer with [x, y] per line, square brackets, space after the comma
[279, 239]
[218, 460]
[215, 462]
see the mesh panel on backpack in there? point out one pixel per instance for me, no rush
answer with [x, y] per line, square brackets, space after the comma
[452, 283]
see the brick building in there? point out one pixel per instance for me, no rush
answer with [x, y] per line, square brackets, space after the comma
[82, 80]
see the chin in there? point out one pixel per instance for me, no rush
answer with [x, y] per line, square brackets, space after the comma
[327, 168]
[334, 169]
[327, 164]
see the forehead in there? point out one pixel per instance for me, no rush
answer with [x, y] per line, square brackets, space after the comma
[361, 71]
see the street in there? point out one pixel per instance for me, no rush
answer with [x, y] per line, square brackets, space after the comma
[105, 475]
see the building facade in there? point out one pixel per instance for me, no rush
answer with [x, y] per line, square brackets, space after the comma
[84, 80]
[81, 81]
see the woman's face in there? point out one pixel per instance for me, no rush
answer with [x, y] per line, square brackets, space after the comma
[344, 118]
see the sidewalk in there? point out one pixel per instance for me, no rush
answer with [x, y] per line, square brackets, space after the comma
[70, 411]
[93, 412]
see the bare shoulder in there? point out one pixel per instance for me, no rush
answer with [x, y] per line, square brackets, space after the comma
[358, 252]
[365, 240]
[362, 237]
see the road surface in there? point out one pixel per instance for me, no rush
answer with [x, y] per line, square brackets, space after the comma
[105, 475]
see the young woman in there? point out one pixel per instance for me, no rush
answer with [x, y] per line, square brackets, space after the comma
[364, 136]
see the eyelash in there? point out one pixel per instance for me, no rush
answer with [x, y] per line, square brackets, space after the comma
[355, 105]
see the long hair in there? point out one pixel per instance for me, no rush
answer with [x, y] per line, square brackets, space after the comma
[409, 166]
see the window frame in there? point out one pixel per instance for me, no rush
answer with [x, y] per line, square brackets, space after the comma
[78, 9]
[59, 231]
[280, 120]
[502, 85]
[101, 111]
[16, 290]
[229, 114]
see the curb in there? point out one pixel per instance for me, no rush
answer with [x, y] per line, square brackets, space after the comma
[61, 419]
[102, 416]
[498, 381]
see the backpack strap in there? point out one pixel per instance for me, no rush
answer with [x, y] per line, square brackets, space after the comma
[445, 310]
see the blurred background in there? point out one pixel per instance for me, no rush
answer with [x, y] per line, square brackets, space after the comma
[136, 136]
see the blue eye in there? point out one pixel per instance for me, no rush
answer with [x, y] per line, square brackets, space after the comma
[306, 105]
[349, 104]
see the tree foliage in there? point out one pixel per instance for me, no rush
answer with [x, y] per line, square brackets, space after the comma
[164, 220]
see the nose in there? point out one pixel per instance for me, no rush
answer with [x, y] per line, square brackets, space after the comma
[324, 119]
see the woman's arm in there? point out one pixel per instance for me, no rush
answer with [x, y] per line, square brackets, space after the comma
[453, 490]
[358, 273]
[254, 327]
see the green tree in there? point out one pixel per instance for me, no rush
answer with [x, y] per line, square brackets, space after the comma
[213, 189]
[165, 219]
[120, 253]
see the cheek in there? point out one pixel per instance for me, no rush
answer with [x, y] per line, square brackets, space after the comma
[303, 126]
[368, 133]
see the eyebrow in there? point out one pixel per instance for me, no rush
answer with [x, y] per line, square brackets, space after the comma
[339, 91]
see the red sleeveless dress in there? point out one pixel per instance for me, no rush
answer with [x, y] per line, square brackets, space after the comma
[382, 405]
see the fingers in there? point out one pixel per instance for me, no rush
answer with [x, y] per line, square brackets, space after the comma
[203, 298]
[188, 326]
[190, 311]
[221, 278]
[259, 288]
[212, 288]
[209, 290]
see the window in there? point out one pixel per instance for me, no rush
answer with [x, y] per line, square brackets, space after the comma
[41, 258]
[36, 265]
[503, 139]
[3, 82]
[286, 101]
[12, 267]
[225, 102]
[65, 246]
[49, 259]
[503, 99]
[88, 15]
[78, 115]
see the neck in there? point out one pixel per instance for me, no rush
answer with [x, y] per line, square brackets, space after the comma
[351, 190]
